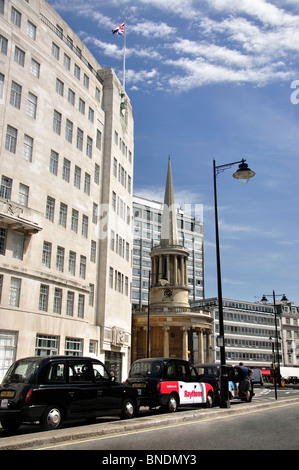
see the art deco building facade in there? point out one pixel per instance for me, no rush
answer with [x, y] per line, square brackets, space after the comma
[66, 194]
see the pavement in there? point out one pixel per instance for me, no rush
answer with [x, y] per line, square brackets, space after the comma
[146, 420]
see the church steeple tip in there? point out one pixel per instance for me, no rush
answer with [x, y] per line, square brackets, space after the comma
[169, 231]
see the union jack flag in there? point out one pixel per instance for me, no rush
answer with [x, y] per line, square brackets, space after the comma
[120, 29]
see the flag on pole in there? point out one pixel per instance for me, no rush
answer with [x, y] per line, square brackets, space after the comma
[120, 29]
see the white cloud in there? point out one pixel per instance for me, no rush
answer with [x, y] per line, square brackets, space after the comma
[151, 29]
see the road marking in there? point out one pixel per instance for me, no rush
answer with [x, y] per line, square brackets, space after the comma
[168, 426]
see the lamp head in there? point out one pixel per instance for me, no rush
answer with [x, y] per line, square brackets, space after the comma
[243, 173]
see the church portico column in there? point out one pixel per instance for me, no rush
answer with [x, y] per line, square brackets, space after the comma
[185, 342]
[201, 358]
[166, 340]
[209, 343]
[160, 268]
[182, 271]
[168, 267]
[175, 269]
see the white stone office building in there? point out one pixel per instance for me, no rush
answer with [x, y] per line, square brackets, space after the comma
[249, 329]
[66, 173]
[290, 334]
[147, 216]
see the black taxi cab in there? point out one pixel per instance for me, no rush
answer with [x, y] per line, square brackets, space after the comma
[52, 389]
[210, 373]
[169, 383]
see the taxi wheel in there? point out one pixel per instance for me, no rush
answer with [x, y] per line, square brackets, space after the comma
[172, 404]
[52, 418]
[128, 409]
[209, 402]
[10, 425]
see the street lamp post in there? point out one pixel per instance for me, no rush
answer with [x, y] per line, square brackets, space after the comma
[148, 316]
[243, 174]
[276, 372]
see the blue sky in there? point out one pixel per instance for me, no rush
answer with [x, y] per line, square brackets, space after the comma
[213, 79]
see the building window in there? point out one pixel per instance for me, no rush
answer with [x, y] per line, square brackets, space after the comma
[73, 347]
[69, 131]
[57, 300]
[3, 234]
[59, 87]
[81, 106]
[89, 147]
[55, 51]
[53, 167]
[97, 94]
[35, 68]
[19, 56]
[77, 71]
[31, 30]
[82, 270]
[67, 62]
[6, 186]
[87, 184]
[15, 95]
[84, 232]
[75, 220]
[27, 148]
[81, 306]
[8, 341]
[50, 207]
[57, 122]
[96, 173]
[63, 214]
[43, 298]
[66, 170]
[46, 345]
[111, 277]
[71, 97]
[93, 249]
[70, 304]
[1, 85]
[115, 167]
[60, 259]
[91, 295]
[95, 213]
[86, 81]
[46, 256]
[15, 17]
[72, 263]
[14, 292]
[79, 139]
[91, 114]
[11, 139]
[3, 44]
[23, 195]
[18, 245]
[77, 177]
[99, 140]
[31, 105]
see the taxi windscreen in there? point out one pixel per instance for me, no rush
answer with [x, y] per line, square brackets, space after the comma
[146, 369]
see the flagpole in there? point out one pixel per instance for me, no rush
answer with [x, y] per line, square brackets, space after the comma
[124, 60]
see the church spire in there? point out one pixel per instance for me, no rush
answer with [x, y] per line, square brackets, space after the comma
[169, 229]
